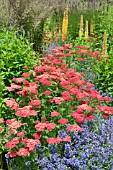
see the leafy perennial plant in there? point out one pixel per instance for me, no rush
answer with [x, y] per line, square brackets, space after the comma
[47, 98]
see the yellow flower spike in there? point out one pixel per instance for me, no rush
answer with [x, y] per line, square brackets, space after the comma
[91, 27]
[86, 30]
[105, 44]
[65, 24]
[81, 27]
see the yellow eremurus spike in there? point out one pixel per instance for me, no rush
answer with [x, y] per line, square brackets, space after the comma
[86, 30]
[81, 26]
[105, 44]
[91, 27]
[65, 24]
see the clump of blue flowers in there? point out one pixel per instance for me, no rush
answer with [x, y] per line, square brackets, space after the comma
[91, 149]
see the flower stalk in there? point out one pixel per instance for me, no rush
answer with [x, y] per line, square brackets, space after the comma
[65, 24]
[81, 27]
[105, 44]
[91, 27]
[86, 30]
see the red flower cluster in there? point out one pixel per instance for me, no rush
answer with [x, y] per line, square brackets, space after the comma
[26, 111]
[74, 128]
[12, 144]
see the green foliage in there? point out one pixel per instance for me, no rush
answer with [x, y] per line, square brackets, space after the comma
[105, 78]
[15, 52]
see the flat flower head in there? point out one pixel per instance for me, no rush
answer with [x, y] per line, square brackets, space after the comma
[53, 114]
[1, 120]
[24, 140]
[50, 126]
[54, 140]
[74, 128]
[23, 152]
[12, 154]
[67, 139]
[63, 121]
[80, 59]
[26, 75]
[12, 144]
[37, 135]
[35, 103]
[47, 92]
[40, 126]
[21, 134]
[25, 112]
[58, 100]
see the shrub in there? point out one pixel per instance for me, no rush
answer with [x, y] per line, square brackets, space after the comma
[15, 52]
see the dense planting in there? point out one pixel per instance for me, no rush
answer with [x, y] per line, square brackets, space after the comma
[56, 108]
[47, 98]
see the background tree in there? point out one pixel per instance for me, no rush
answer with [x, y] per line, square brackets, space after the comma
[30, 15]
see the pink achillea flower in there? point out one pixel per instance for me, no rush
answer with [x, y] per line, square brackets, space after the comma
[35, 103]
[67, 46]
[67, 139]
[47, 92]
[33, 85]
[71, 107]
[23, 92]
[23, 152]
[40, 126]
[58, 100]
[95, 94]
[105, 109]
[20, 134]
[12, 144]
[80, 59]
[18, 80]
[13, 125]
[54, 140]
[0, 129]
[24, 66]
[55, 114]
[31, 89]
[86, 107]
[39, 69]
[25, 111]
[45, 81]
[64, 83]
[89, 84]
[63, 121]
[79, 117]
[50, 100]
[89, 117]
[43, 118]
[13, 87]
[1, 120]
[50, 126]
[74, 128]
[81, 95]
[107, 99]
[26, 75]
[24, 140]
[9, 121]
[12, 104]
[37, 135]
[12, 154]
[31, 143]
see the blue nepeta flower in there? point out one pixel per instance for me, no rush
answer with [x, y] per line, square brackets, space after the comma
[91, 148]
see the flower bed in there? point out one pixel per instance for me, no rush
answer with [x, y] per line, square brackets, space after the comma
[48, 98]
